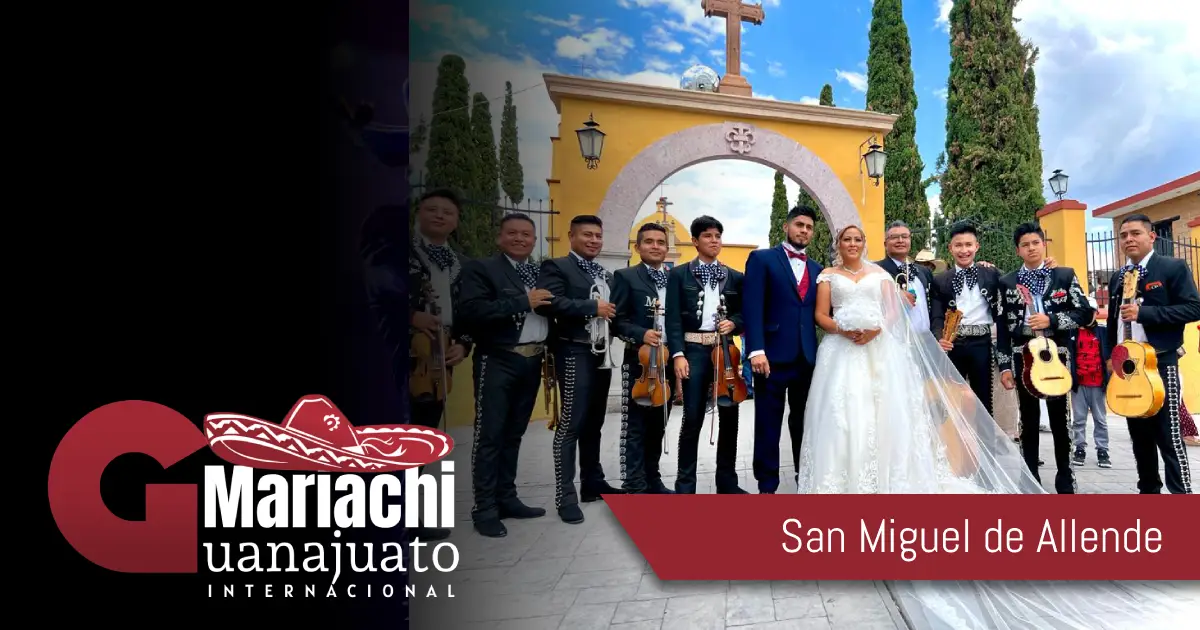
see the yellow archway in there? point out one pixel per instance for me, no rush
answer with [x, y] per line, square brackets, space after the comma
[653, 132]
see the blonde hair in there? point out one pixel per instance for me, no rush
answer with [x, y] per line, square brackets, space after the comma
[837, 241]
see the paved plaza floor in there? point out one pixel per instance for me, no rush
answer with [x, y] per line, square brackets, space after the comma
[546, 574]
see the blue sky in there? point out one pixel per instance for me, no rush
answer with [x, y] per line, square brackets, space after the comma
[1118, 80]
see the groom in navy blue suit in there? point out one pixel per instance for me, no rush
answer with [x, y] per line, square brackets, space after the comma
[781, 340]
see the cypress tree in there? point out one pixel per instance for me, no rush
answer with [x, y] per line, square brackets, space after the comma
[827, 96]
[779, 210]
[476, 232]
[890, 90]
[512, 176]
[450, 162]
[992, 157]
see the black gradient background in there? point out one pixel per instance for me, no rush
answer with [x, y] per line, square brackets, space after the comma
[190, 237]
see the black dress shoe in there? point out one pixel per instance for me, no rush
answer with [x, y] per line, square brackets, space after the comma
[594, 493]
[733, 490]
[516, 509]
[492, 528]
[570, 514]
[429, 533]
[661, 490]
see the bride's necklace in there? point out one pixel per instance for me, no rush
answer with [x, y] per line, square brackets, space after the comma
[853, 272]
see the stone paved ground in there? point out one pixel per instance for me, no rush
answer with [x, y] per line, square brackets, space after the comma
[547, 574]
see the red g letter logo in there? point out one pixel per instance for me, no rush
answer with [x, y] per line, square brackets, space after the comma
[166, 542]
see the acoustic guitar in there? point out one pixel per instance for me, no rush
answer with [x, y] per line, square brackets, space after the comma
[1136, 389]
[1045, 375]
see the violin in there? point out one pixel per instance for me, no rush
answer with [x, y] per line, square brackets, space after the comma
[729, 388]
[429, 380]
[652, 389]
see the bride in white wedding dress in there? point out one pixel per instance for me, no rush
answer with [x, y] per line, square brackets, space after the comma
[888, 413]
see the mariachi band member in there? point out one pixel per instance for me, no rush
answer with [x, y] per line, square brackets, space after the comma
[694, 291]
[973, 290]
[433, 263]
[636, 291]
[781, 340]
[1061, 308]
[578, 318]
[1168, 302]
[916, 278]
[497, 302]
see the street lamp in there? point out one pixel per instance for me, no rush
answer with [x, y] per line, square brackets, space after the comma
[1058, 183]
[875, 159]
[591, 142]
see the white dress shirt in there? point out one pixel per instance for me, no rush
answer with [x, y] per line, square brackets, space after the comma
[919, 313]
[972, 304]
[1139, 331]
[662, 300]
[535, 328]
[708, 315]
[1038, 305]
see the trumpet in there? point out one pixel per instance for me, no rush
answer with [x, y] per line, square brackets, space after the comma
[598, 327]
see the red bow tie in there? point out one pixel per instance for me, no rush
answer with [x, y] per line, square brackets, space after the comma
[792, 254]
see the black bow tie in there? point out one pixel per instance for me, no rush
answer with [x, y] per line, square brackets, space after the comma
[965, 278]
[659, 276]
[591, 268]
[528, 273]
[440, 255]
[710, 274]
[1034, 279]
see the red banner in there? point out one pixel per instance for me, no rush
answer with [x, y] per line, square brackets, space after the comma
[914, 537]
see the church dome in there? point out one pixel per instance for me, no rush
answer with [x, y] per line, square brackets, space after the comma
[699, 78]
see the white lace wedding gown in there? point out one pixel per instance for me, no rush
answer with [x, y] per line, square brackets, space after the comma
[868, 427]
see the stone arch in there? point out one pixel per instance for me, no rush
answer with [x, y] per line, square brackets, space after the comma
[722, 141]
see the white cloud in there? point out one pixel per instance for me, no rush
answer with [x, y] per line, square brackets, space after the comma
[660, 39]
[856, 80]
[451, 20]
[940, 93]
[688, 17]
[746, 69]
[775, 69]
[809, 100]
[573, 22]
[1117, 88]
[602, 44]
[656, 64]
[943, 17]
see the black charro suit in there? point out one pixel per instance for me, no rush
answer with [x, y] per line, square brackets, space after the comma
[973, 354]
[583, 386]
[687, 309]
[494, 307]
[1068, 309]
[642, 427]
[1169, 303]
[425, 272]
[923, 274]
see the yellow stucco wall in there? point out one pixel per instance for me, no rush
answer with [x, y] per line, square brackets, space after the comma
[630, 128]
[1189, 366]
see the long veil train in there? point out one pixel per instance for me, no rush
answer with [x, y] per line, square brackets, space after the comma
[977, 449]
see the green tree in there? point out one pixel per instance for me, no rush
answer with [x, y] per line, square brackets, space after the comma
[779, 210]
[822, 238]
[827, 96]
[992, 157]
[418, 136]
[476, 231]
[450, 162]
[890, 90]
[512, 176]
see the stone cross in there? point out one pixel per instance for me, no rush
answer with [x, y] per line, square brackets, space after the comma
[735, 12]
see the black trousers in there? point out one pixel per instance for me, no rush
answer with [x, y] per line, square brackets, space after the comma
[642, 430]
[1161, 433]
[1059, 410]
[697, 392]
[583, 389]
[789, 381]
[506, 387]
[972, 357]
